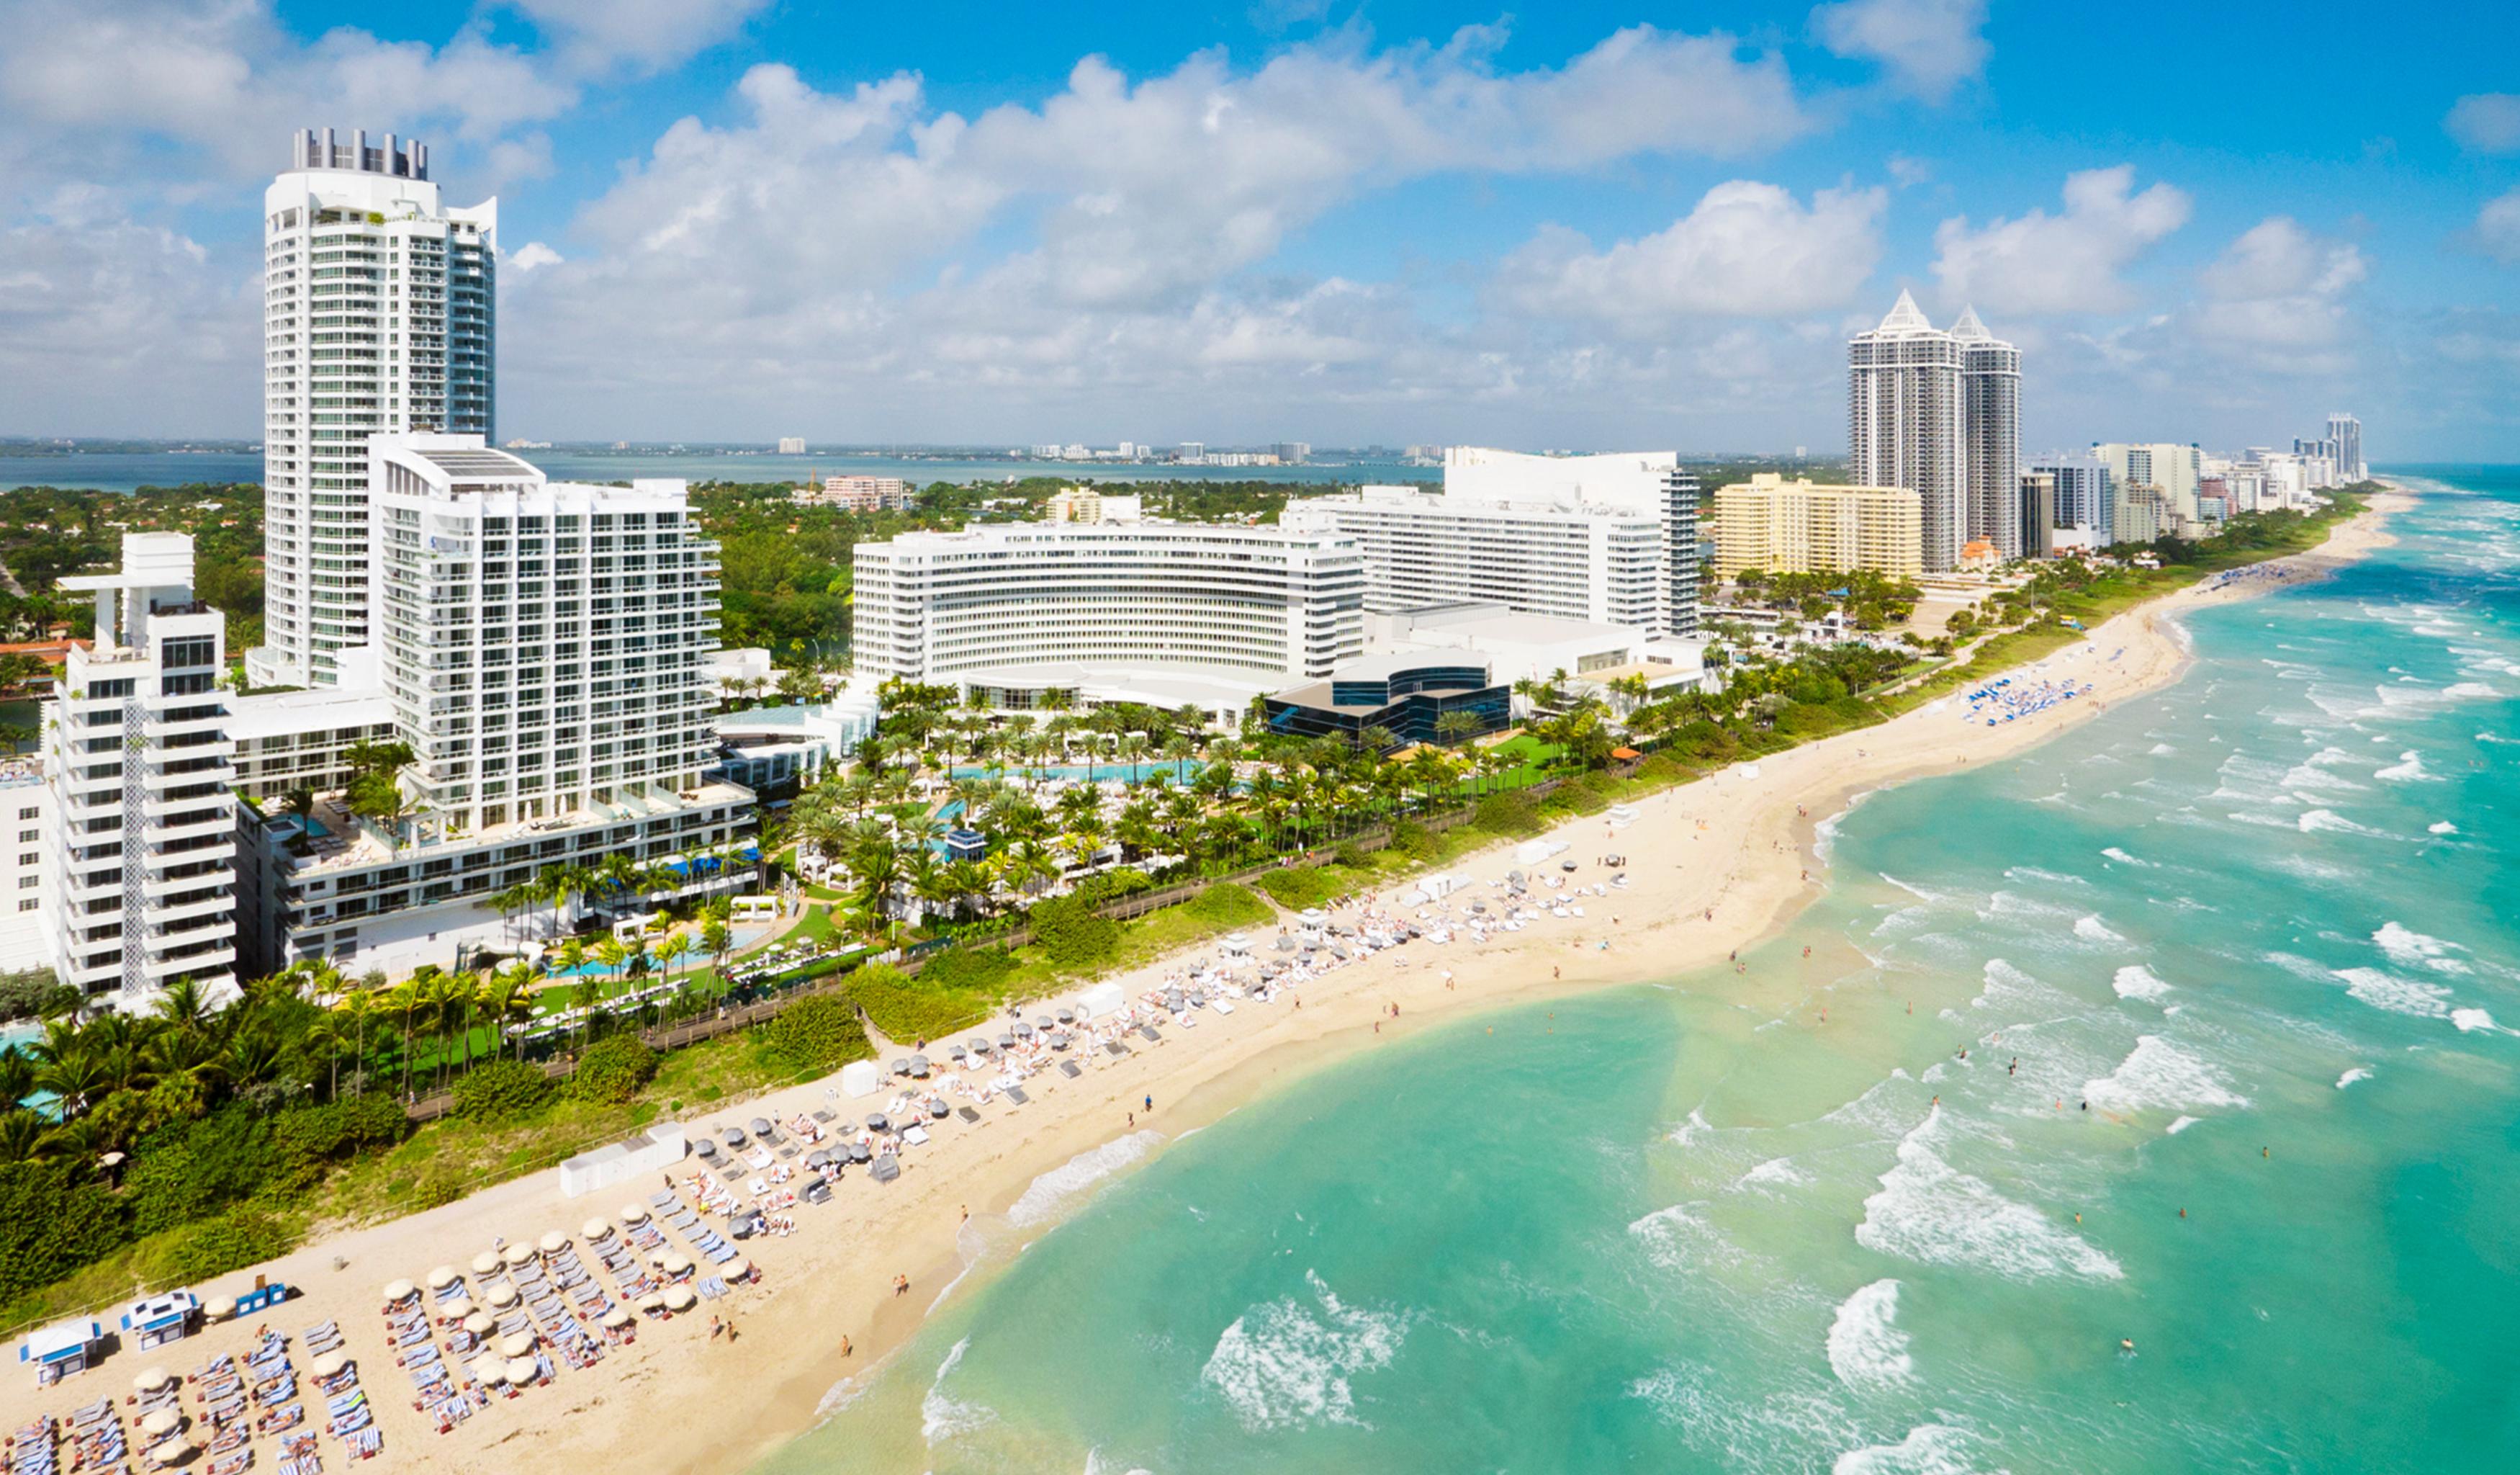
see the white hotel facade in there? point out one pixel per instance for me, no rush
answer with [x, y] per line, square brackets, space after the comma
[1166, 613]
[379, 317]
[1426, 548]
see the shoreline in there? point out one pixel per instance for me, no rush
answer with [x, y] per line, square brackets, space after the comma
[1719, 865]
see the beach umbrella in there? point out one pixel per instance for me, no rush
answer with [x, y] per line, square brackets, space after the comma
[503, 1295]
[981, 1046]
[634, 1214]
[152, 1379]
[675, 1262]
[486, 1263]
[518, 1256]
[1006, 1042]
[919, 1065]
[330, 1365]
[522, 1370]
[492, 1371]
[706, 1147]
[761, 1126]
[399, 1290]
[443, 1276]
[554, 1242]
[479, 1323]
[458, 1308]
[618, 1316]
[1023, 1031]
[859, 1152]
[1068, 1016]
[736, 1268]
[878, 1122]
[651, 1301]
[158, 1423]
[679, 1298]
[734, 1136]
[596, 1229]
[172, 1451]
[818, 1158]
[516, 1344]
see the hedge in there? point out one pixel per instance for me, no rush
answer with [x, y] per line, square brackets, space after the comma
[918, 1008]
[613, 1070]
[502, 1091]
[817, 1034]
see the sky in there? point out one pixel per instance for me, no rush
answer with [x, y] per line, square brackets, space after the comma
[1338, 221]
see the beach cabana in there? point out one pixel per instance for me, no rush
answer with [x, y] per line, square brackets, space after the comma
[156, 1320]
[1101, 1001]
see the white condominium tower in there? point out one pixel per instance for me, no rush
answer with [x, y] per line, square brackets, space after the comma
[1939, 413]
[2345, 446]
[142, 836]
[1648, 483]
[378, 316]
[1583, 563]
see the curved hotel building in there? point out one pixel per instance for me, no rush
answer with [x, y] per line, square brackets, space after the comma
[1017, 615]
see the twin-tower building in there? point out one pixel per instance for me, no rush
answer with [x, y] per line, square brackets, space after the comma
[1938, 411]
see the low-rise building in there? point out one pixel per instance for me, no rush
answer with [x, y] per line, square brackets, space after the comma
[1406, 694]
[859, 494]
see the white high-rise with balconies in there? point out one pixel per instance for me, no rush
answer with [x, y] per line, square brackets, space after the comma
[1991, 436]
[141, 841]
[379, 317]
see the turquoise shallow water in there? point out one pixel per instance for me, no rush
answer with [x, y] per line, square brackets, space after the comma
[2257, 923]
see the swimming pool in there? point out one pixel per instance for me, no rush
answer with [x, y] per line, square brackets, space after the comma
[1127, 773]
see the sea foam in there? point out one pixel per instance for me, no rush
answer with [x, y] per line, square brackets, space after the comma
[2400, 996]
[1930, 1212]
[2090, 928]
[2135, 981]
[2157, 1073]
[2359, 1072]
[941, 1417]
[1047, 1194]
[1928, 1450]
[2409, 948]
[1866, 1347]
[1287, 1363]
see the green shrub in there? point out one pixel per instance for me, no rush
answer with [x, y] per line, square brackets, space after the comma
[1662, 768]
[190, 1169]
[241, 1236]
[1111, 885]
[1226, 904]
[923, 1007]
[817, 1034]
[1071, 935]
[613, 1070]
[439, 1187]
[53, 1220]
[1415, 840]
[1354, 857]
[1513, 812]
[503, 1091]
[979, 970]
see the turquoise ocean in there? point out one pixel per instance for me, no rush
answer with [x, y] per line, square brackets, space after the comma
[2248, 941]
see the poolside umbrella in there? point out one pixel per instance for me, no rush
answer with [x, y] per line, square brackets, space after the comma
[554, 1242]
[152, 1379]
[492, 1371]
[330, 1365]
[736, 1268]
[519, 1255]
[399, 1290]
[486, 1263]
[596, 1229]
[503, 1295]
[457, 1310]
[522, 1370]
[443, 1276]
[634, 1214]
[479, 1323]
[158, 1423]
[618, 1316]
[679, 1298]
[516, 1345]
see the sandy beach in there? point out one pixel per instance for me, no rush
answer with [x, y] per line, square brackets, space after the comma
[1714, 866]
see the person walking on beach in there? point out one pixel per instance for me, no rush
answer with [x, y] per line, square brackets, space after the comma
[901, 1285]
[1150, 1105]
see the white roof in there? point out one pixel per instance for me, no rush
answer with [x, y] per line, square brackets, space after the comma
[283, 714]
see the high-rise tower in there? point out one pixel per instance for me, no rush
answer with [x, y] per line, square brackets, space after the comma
[1990, 436]
[2345, 446]
[1904, 421]
[378, 316]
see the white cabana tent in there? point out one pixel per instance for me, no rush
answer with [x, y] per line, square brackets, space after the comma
[1100, 1000]
[860, 1078]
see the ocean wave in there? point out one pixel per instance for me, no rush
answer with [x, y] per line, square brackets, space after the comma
[2135, 981]
[1680, 1238]
[2159, 1075]
[1917, 892]
[1047, 1194]
[2312, 772]
[1866, 1347]
[2409, 769]
[1930, 1212]
[2299, 967]
[1775, 1172]
[2399, 996]
[2316, 822]
[2028, 873]
[941, 1417]
[2414, 950]
[2472, 1020]
[2123, 859]
[2090, 928]
[1928, 1450]
[1288, 1364]
[2161, 750]
[2359, 1072]
[2182, 1123]
[2441, 827]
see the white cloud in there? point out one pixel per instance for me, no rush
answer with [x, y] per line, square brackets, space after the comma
[2487, 121]
[532, 255]
[2497, 228]
[1929, 46]
[1746, 249]
[2068, 263]
[2275, 299]
[650, 35]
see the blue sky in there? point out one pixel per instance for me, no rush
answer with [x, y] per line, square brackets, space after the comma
[1587, 226]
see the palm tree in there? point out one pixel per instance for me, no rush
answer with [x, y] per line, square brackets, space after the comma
[672, 951]
[512, 902]
[75, 1080]
[184, 1007]
[353, 1011]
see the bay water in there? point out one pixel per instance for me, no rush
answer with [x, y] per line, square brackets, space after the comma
[2224, 1181]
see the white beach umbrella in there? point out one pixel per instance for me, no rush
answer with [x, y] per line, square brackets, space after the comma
[399, 1290]
[679, 1298]
[736, 1268]
[457, 1310]
[173, 1451]
[596, 1229]
[522, 1370]
[633, 1214]
[152, 1379]
[675, 1262]
[516, 1345]
[651, 1301]
[493, 1372]
[619, 1315]
[158, 1423]
[503, 1295]
[443, 1276]
[486, 1263]
[330, 1365]
[554, 1242]
[518, 1255]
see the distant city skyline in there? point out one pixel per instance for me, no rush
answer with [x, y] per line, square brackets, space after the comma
[1324, 223]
